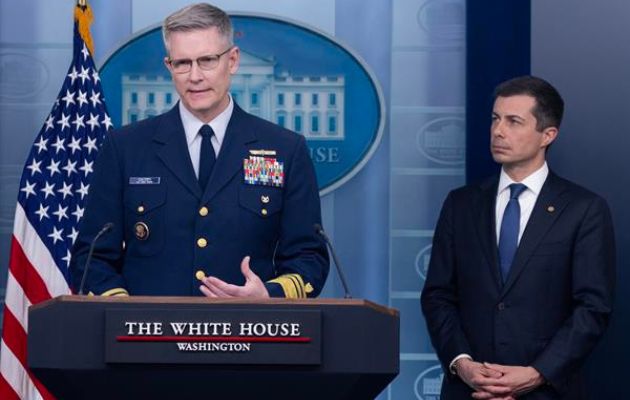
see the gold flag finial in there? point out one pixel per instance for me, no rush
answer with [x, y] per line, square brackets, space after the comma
[84, 17]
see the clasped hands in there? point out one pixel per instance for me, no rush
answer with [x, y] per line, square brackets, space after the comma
[498, 382]
[253, 287]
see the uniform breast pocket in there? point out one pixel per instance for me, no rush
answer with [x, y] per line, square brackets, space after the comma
[263, 201]
[144, 222]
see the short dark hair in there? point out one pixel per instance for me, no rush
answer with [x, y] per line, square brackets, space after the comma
[549, 104]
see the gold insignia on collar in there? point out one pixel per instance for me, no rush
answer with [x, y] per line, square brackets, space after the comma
[262, 152]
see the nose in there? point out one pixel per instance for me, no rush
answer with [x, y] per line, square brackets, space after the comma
[195, 73]
[496, 129]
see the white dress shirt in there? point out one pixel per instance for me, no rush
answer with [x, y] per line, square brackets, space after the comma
[192, 125]
[526, 201]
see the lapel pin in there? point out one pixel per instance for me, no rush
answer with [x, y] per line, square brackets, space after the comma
[551, 209]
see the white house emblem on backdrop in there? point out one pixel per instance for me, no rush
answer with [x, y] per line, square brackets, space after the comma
[290, 74]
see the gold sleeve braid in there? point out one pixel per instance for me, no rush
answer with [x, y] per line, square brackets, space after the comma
[293, 286]
[115, 292]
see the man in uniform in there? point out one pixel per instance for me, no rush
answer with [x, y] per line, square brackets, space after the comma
[520, 284]
[205, 198]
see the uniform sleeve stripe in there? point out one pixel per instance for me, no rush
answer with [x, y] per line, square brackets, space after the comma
[115, 292]
[293, 286]
[299, 288]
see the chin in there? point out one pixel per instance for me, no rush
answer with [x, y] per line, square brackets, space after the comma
[498, 158]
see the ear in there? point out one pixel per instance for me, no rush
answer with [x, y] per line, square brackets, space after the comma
[549, 135]
[234, 60]
[167, 64]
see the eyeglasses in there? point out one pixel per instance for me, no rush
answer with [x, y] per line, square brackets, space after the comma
[206, 63]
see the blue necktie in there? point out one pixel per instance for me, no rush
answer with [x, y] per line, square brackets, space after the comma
[508, 237]
[207, 157]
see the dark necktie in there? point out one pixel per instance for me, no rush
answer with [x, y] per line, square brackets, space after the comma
[207, 157]
[508, 237]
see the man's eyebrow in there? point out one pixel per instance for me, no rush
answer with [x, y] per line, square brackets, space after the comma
[515, 116]
[511, 116]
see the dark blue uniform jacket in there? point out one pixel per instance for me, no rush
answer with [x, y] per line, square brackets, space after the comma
[166, 228]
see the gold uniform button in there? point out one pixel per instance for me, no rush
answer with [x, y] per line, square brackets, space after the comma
[201, 242]
[141, 209]
[200, 275]
[203, 211]
[263, 211]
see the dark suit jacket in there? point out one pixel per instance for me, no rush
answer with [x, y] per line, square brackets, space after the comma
[555, 303]
[274, 225]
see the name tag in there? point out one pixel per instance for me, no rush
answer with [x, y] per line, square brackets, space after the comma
[144, 180]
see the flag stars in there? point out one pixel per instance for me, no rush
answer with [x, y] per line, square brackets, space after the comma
[58, 145]
[95, 98]
[78, 213]
[86, 167]
[75, 144]
[50, 122]
[73, 75]
[73, 235]
[68, 98]
[85, 52]
[85, 74]
[34, 167]
[61, 157]
[68, 254]
[78, 122]
[70, 167]
[42, 212]
[107, 122]
[61, 213]
[64, 121]
[53, 167]
[66, 190]
[41, 144]
[90, 145]
[82, 98]
[56, 235]
[83, 191]
[29, 189]
[49, 190]
[93, 122]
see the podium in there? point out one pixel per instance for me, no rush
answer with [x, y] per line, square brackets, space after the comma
[140, 347]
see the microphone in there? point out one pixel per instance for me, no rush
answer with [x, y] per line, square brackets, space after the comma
[106, 228]
[320, 231]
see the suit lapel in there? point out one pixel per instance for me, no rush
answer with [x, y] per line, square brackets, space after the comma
[539, 223]
[233, 150]
[486, 232]
[172, 149]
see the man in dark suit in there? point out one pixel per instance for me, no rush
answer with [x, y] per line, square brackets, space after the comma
[520, 284]
[204, 199]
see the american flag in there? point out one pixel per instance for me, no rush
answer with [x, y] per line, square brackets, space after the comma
[51, 200]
